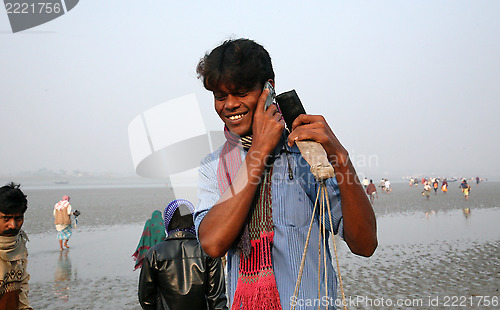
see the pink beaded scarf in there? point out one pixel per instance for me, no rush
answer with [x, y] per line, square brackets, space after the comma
[256, 287]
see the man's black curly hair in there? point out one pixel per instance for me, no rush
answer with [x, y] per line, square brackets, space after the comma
[12, 199]
[236, 64]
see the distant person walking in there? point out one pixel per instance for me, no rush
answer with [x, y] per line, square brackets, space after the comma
[465, 189]
[388, 186]
[62, 215]
[435, 185]
[444, 186]
[371, 190]
[365, 183]
[427, 190]
[153, 233]
[382, 185]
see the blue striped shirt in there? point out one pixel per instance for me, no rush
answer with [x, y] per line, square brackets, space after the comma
[293, 203]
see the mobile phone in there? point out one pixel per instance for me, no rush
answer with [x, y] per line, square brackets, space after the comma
[271, 96]
[290, 106]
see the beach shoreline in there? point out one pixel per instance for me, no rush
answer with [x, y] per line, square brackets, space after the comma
[426, 248]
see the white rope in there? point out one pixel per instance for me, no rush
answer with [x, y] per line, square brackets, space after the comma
[301, 269]
[322, 236]
[336, 256]
[319, 250]
[322, 205]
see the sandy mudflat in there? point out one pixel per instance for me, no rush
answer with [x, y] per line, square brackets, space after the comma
[420, 258]
[95, 273]
[427, 249]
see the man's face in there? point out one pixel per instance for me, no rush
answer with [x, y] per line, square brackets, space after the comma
[236, 108]
[10, 224]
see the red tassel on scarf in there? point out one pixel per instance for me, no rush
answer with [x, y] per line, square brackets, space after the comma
[256, 288]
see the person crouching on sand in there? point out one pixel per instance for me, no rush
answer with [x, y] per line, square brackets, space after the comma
[62, 215]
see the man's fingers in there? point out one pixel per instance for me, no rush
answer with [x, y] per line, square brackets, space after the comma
[308, 127]
[303, 119]
[277, 116]
[299, 135]
[262, 100]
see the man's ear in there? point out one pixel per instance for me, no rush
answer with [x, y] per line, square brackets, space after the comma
[272, 82]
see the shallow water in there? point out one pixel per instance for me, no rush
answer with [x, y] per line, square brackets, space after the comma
[427, 249]
[95, 273]
[421, 258]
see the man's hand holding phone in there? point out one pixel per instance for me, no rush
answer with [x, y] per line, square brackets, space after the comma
[315, 128]
[268, 123]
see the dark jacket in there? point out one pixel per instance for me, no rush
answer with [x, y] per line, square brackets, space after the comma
[177, 275]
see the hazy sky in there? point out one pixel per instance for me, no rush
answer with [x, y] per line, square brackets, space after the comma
[413, 86]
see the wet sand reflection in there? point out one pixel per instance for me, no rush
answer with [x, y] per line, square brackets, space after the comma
[62, 276]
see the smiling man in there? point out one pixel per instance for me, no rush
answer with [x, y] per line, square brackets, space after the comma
[13, 253]
[256, 193]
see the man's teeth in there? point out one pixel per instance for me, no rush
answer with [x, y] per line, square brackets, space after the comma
[235, 117]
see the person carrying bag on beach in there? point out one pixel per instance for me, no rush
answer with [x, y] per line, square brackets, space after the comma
[62, 215]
